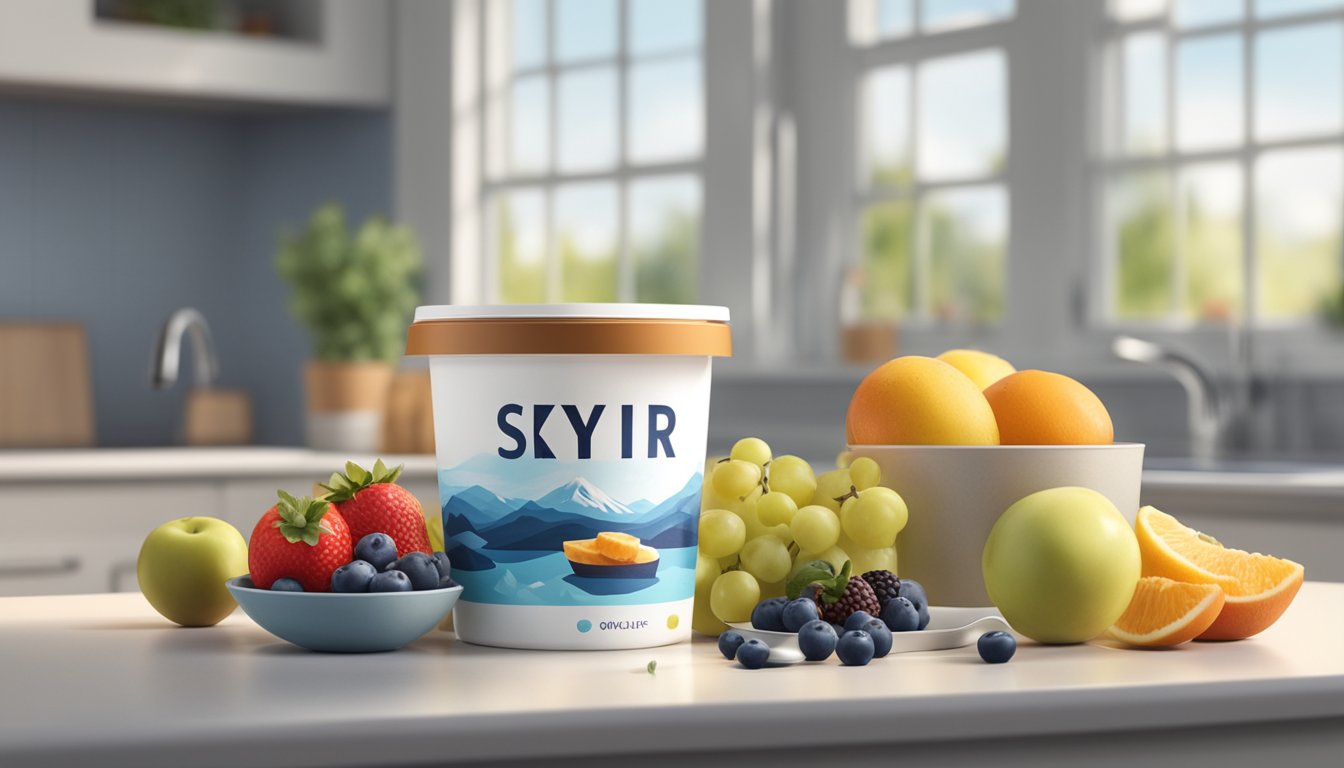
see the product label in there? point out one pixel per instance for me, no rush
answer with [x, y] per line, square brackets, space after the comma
[571, 480]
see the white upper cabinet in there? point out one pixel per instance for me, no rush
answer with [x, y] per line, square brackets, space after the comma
[318, 53]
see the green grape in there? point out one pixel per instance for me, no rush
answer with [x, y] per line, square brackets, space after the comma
[722, 533]
[752, 449]
[776, 508]
[865, 473]
[865, 560]
[832, 485]
[873, 519]
[767, 558]
[793, 476]
[706, 571]
[734, 595]
[703, 619]
[735, 478]
[843, 459]
[815, 528]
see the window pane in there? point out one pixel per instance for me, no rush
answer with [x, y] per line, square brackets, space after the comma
[1298, 208]
[1131, 10]
[943, 15]
[894, 18]
[520, 246]
[888, 281]
[666, 119]
[1145, 97]
[1141, 232]
[1298, 81]
[529, 33]
[665, 238]
[1201, 13]
[587, 119]
[1272, 8]
[529, 116]
[584, 29]
[886, 126]
[585, 232]
[1211, 242]
[658, 26]
[1208, 92]
[967, 233]
[962, 116]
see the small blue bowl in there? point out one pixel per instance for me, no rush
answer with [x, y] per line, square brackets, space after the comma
[344, 622]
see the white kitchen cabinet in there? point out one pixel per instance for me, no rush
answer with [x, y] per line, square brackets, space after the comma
[343, 59]
[73, 521]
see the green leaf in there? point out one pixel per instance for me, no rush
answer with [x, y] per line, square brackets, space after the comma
[815, 572]
[301, 519]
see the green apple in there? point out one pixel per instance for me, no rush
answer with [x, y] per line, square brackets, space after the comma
[183, 565]
[1061, 565]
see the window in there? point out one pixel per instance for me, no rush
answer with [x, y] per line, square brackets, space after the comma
[1222, 175]
[593, 150]
[932, 150]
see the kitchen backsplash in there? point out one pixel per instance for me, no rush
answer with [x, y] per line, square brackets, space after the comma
[115, 215]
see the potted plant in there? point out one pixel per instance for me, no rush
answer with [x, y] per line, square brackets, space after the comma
[356, 293]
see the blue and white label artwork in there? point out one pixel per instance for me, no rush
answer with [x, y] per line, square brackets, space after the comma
[572, 481]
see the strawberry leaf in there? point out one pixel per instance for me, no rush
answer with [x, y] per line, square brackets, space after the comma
[301, 519]
[344, 486]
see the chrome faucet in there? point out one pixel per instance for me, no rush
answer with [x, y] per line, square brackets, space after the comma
[1219, 418]
[168, 355]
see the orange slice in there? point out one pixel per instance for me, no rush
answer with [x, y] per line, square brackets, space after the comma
[1258, 587]
[1165, 612]
[618, 546]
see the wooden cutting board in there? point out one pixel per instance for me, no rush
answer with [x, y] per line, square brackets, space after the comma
[46, 393]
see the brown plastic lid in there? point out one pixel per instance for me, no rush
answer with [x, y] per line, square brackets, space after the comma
[571, 329]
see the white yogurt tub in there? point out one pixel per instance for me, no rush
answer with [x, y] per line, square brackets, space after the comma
[571, 450]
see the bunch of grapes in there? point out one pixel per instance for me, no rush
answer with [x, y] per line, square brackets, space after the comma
[763, 518]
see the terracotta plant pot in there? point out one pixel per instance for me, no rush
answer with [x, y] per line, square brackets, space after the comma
[346, 402]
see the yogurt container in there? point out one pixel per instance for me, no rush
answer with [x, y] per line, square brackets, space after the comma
[570, 444]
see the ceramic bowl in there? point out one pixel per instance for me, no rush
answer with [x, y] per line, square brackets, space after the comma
[344, 622]
[956, 493]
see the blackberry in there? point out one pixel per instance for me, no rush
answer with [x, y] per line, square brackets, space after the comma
[858, 596]
[885, 585]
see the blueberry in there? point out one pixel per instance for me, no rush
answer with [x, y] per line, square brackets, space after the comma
[900, 615]
[421, 570]
[354, 576]
[769, 614]
[799, 612]
[839, 630]
[729, 642]
[855, 648]
[881, 637]
[753, 654]
[817, 640]
[377, 549]
[857, 619]
[444, 565]
[286, 585]
[390, 581]
[996, 647]
[446, 582]
[914, 592]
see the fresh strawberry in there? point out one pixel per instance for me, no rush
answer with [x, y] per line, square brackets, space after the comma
[301, 539]
[372, 502]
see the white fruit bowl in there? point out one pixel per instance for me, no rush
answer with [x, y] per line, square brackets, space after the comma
[955, 494]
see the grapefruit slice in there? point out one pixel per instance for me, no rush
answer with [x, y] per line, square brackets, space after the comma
[1258, 587]
[1165, 612]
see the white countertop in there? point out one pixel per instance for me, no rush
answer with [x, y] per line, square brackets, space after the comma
[104, 678]
[181, 463]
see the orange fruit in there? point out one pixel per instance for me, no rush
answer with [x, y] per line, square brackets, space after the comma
[916, 400]
[1165, 612]
[1044, 408]
[1258, 587]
